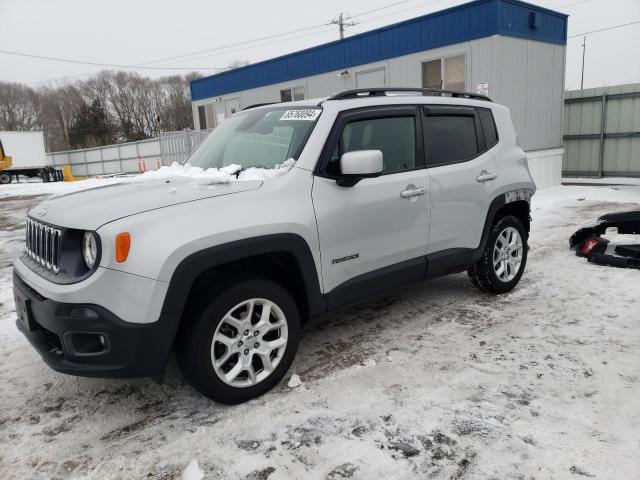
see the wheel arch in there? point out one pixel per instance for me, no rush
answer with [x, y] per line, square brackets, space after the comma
[290, 254]
[519, 209]
[514, 203]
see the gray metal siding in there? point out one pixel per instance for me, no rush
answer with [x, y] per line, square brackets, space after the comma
[528, 77]
[621, 137]
[458, 24]
[525, 75]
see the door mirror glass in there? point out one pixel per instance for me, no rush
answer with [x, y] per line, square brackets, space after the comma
[360, 164]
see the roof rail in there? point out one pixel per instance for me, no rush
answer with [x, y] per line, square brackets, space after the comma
[381, 92]
[256, 105]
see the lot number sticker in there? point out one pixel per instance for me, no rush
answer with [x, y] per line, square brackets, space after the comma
[309, 114]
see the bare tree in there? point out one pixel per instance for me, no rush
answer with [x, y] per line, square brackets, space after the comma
[19, 107]
[237, 64]
[132, 106]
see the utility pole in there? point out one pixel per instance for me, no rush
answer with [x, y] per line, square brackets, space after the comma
[340, 21]
[584, 49]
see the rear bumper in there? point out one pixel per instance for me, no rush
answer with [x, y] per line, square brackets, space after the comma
[130, 349]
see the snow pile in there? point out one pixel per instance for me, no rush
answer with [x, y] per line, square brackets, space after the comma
[294, 381]
[551, 199]
[193, 471]
[212, 176]
[266, 173]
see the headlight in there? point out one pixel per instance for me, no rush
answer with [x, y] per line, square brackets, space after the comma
[89, 249]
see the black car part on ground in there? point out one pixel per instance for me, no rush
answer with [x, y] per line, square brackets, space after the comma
[587, 241]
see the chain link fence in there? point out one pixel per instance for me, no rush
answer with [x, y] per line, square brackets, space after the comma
[177, 146]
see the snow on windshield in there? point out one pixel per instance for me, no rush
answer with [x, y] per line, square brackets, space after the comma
[230, 173]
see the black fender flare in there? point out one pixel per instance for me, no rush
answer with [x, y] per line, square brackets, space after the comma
[197, 263]
[496, 204]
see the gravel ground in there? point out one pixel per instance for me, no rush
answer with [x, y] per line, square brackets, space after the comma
[435, 381]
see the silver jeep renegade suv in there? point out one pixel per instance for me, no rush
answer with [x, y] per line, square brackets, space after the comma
[381, 188]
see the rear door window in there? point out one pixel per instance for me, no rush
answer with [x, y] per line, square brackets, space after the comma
[451, 138]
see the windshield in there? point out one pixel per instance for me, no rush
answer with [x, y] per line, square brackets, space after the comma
[260, 138]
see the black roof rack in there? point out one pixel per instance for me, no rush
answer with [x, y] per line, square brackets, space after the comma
[381, 92]
[256, 105]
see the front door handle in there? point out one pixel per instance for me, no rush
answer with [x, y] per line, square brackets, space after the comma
[486, 176]
[412, 192]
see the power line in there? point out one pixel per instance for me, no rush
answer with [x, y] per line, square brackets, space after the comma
[366, 12]
[109, 65]
[267, 37]
[261, 45]
[604, 29]
[400, 11]
[572, 4]
[436, 1]
[231, 45]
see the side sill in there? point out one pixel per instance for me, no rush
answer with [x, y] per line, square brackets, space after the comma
[376, 282]
[453, 260]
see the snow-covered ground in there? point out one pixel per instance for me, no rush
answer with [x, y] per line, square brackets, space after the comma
[601, 181]
[436, 381]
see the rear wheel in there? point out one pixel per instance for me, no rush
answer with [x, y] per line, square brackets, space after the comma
[502, 264]
[242, 342]
[5, 178]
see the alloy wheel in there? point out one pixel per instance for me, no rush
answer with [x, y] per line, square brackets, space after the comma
[507, 254]
[249, 342]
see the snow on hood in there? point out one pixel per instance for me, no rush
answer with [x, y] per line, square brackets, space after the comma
[89, 209]
[212, 176]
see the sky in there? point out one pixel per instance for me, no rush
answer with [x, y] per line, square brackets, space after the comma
[142, 32]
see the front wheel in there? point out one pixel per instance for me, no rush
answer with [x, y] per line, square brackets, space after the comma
[502, 263]
[242, 343]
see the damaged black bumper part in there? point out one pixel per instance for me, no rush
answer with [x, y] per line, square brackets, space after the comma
[587, 241]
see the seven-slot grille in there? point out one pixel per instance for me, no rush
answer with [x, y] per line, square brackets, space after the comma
[43, 245]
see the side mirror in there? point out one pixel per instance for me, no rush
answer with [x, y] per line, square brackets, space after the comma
[359, 164]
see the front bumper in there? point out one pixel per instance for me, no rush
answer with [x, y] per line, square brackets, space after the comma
[130, 349]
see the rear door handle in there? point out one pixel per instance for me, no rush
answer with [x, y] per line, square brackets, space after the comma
[412, 192]
[486, 176]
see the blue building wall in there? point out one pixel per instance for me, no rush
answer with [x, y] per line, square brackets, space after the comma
[470, 21]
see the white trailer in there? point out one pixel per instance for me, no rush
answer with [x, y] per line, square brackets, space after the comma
[23, 154]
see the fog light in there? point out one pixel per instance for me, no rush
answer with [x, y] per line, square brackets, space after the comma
[86, 343]
[84, 312]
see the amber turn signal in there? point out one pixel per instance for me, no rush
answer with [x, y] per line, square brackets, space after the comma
[123, 243]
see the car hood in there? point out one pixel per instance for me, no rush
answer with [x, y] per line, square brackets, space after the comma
[90, 209]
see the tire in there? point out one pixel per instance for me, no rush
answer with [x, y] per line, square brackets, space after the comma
[502, 264]
[5, 178]
[219, 333]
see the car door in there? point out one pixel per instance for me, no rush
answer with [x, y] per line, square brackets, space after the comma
[462, 173]
[373, 234]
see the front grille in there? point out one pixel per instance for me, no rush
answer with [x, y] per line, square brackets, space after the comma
[43, 245]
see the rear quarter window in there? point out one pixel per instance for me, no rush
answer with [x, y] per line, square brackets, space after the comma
[488, 127]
